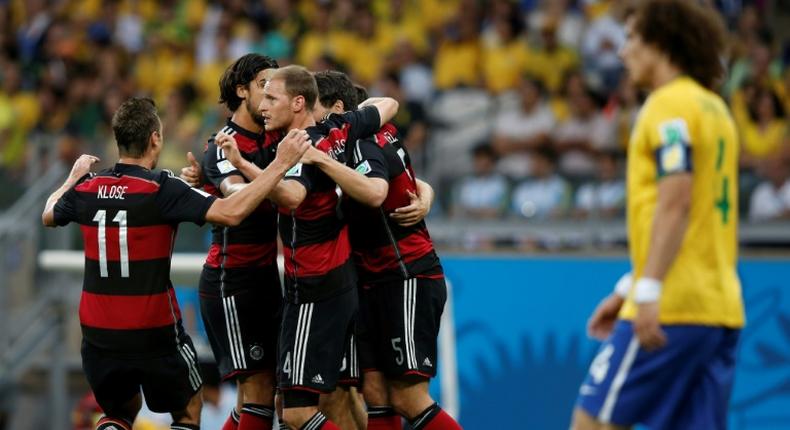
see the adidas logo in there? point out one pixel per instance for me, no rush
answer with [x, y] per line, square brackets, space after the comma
[427, 362]
[317, 379]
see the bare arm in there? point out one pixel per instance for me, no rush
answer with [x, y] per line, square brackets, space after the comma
[288, 194]
[232, 210]
[669, 224]
[368, 191]
[418, 208]
[81, 168]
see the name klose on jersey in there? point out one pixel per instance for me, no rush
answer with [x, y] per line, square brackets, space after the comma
[111, 192]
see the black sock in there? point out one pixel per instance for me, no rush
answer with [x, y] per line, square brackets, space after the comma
[425, 416]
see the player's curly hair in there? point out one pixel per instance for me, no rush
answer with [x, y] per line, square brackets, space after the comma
[692, 35]
[334, 86]
[241, 73]
[133, 123]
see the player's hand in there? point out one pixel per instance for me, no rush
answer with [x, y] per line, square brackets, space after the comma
[602, 320]
[293, 146]
[191, 173]
[82, 166]
[415, 212]
[231, 149]
[647, 328]
[313, 155]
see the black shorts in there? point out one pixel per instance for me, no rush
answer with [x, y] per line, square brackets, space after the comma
[349, 366]
[243, 321]
[168, 382]
[399, 325]
[313, 340]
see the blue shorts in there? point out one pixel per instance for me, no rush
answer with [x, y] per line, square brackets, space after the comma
[684, 385]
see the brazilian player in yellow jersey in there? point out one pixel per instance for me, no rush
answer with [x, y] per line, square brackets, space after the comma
[668, 356]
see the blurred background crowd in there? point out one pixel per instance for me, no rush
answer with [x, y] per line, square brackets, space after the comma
[512, 109]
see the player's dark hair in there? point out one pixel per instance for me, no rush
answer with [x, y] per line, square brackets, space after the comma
[334, 86]
[241, 73]
[362, 93]
[133, 123]
[298, 82]
[691, 35]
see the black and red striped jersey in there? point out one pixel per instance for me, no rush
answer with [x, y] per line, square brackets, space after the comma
[253, 243]
[128, 216]
[316, 248]
[383, 250]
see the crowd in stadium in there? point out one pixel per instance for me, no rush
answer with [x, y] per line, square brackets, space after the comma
[511, 108]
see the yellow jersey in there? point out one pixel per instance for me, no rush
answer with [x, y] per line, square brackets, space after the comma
[684, 127]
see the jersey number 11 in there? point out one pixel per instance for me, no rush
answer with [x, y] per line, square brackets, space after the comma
[120, 218]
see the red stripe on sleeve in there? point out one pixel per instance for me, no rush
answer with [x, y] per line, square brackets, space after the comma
[128, 312]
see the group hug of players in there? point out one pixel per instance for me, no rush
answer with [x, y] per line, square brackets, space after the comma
[304, 153]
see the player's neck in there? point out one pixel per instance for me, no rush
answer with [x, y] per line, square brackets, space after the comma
[144, 162]
[243, 119]
[302, 120]
[663, 74]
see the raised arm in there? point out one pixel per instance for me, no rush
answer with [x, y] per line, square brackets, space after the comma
[288, 194]
[81, 168]
[366, 190]
[232, 210]
[387, 107]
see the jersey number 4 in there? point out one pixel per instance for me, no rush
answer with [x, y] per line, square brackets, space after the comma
[120, 218]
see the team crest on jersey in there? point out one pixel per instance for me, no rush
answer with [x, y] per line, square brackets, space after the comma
[296, 170]
[673, 153]
[225, 166]
[364, 168]
[256, 352]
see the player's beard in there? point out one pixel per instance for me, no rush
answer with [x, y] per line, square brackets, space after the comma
[255, 114]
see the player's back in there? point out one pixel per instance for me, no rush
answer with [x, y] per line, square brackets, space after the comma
[383, 249]
[685, 127]
[128, 216]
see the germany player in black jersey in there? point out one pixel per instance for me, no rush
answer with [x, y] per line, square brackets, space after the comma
[402, 288]
[320, 280]
[133, 337]
[240, 293]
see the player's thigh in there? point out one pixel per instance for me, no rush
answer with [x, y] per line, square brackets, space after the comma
[350, 375]
[170, 382]
[707, 402]
[374, 389]
[627, 385]
[409, 314]
[114, 382]
[312, 342]
[243, 321]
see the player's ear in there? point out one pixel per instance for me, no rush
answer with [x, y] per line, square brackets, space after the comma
[242, 91]
[155, 141]
[298, 104]
[339, 106]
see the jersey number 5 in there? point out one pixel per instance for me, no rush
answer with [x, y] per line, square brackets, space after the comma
[120, 218]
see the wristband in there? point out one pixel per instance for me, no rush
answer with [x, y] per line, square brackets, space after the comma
[623, 285]
[647, 290]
